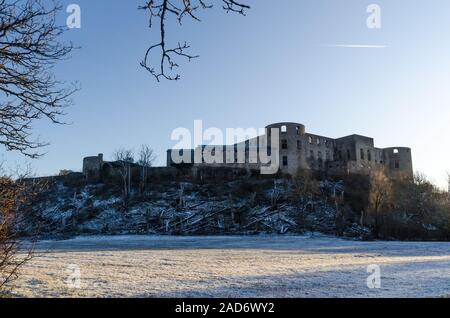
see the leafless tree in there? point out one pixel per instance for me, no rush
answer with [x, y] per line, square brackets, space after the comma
[147, 157]
[305, 185]
[379, 197]
[448, 181]
[167, 11]
[30, 46]
[15, 196]
[125, 159]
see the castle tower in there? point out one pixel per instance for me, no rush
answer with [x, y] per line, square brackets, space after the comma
[398, 162]
[92, 166]
[291, 145]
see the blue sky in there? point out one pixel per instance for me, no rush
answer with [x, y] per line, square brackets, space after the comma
[276, 64]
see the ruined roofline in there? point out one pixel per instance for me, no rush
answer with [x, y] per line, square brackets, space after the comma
[354, 135]
[294, 124]
[397, 148]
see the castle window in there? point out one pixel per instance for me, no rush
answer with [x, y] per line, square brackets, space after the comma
[310, 140]
[320, 155]
[311, 154]
[298, 130]
[395, 151]
[284, 129]
[340, 155]
[318, 141]
[284, 144]
[349, 155]
[362, 154]
[299, 144]
[285, 161]
[397, 164]
[369, 155]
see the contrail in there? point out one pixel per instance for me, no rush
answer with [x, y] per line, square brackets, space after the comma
[358, 46]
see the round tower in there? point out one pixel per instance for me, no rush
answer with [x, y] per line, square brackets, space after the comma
[290, 145]
[291, 129]
[92, 166]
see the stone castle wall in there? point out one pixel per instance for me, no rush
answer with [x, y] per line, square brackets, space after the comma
[298, 149]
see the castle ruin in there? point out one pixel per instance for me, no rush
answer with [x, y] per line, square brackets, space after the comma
[298, 150]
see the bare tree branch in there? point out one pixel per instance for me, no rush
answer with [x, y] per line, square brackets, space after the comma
[16, 196]
[147, 157]
[165, 10]
[30, 47]
[125, 159]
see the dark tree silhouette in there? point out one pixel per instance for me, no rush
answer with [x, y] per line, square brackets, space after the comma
[16, 197]
[167, 11]
[30, 46]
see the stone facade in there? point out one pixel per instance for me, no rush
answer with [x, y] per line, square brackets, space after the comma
[298, 149]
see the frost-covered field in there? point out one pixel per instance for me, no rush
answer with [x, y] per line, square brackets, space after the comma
[253, 266]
